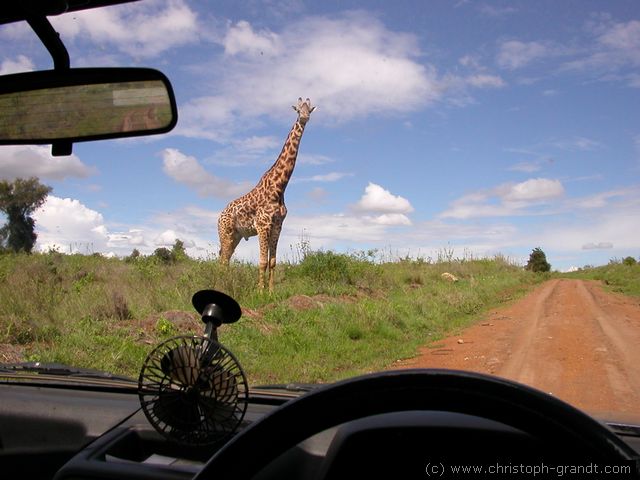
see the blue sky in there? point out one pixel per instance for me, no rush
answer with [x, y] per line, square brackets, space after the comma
[474, 126]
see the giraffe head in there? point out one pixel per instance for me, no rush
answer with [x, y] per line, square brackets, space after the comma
[304, 110]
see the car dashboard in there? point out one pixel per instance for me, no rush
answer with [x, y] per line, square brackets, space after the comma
[89, 432]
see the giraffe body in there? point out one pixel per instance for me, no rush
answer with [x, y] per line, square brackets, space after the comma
[262, 211]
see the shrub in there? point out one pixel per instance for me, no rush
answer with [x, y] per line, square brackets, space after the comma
[327, 266]
[629, 261]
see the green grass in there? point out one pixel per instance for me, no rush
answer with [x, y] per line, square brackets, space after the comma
[331, 315]
[616, 276]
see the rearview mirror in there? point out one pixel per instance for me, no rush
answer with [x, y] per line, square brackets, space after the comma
[75, 105]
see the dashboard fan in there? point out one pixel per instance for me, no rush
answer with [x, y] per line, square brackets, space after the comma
[192, 389]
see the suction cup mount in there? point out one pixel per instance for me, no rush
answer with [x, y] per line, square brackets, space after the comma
[191, 388]
[215, 308]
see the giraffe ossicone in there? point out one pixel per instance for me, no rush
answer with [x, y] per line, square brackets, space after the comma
[262, 211]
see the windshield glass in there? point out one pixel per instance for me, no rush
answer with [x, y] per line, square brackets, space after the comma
[461, 192]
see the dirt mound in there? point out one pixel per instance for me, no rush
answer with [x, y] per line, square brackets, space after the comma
[11, 353]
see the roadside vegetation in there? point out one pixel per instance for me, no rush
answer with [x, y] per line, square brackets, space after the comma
[332, 315]
[621, 276]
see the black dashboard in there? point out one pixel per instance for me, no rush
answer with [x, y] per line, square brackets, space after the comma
[54, 432]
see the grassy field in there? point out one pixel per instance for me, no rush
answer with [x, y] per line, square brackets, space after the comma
[331, 315]
[616, 276]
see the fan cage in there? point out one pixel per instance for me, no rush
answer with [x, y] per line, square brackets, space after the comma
[193, 390]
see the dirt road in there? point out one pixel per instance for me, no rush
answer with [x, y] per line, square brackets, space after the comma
[568, 337]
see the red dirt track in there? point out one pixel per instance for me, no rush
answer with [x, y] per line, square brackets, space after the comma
[567, 337]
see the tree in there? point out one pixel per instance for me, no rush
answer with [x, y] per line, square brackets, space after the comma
[538, 261]
[630, 261]
[163, 254]
[18, 200]
[178, 252]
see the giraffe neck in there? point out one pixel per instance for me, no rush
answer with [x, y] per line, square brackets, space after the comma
[277, 177]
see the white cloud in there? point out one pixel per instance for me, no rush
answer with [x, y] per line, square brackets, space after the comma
[327, 177]
[316, 159]
[599, 245]
[470, 61]
[485, 81]
[615, 51]
[37, 161]
[602, 199]
[494, 11]
[143, 29]
[623, 37]
[69, 226]
[257, 143]
[188, 171]
[392, 219]
[351, 66]
[577, 144]
[242, 39]
[506, 199]
[20, 64]
[168, 238]
[376, 199]
[526, 167]
[514, 54]
[533, 190]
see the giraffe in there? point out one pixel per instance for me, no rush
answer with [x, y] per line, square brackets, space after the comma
[262, 210]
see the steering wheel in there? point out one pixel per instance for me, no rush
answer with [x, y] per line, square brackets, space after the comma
[522, 407]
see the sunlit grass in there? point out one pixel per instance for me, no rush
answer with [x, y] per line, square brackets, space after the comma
[331, 315]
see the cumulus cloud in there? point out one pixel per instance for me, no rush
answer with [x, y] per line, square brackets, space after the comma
[351, 66]
[67, 225]
[143, 29]
[381, 207]
[20, 64]
[392, 219]
[37, 161]
[168, 238]
[377, 199]
[187, 170]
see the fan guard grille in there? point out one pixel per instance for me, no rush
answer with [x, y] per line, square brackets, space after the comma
[193, 390]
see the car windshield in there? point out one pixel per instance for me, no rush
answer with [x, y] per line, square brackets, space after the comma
[461, 192]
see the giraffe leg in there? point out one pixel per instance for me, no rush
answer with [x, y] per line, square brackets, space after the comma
[273, 246]
[227, 248]
[229, 239]
[263, 240]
